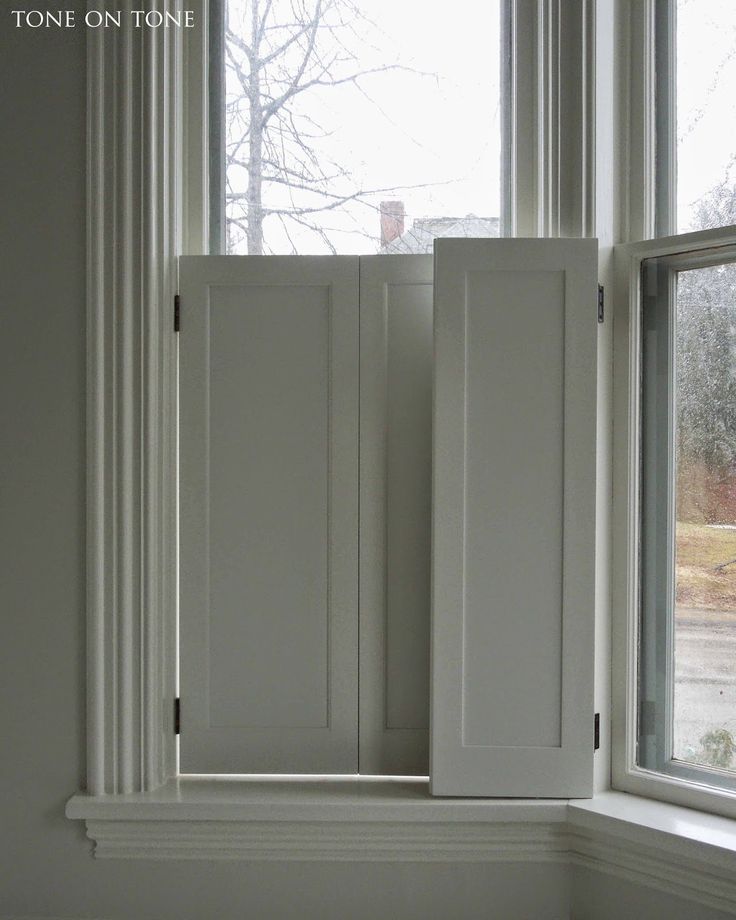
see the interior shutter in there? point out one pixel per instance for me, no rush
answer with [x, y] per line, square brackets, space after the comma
[395, 512]
[514, 517]
[269, 514]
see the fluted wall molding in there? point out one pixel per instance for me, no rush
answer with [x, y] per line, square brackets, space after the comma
[549, 127]
[132, 191]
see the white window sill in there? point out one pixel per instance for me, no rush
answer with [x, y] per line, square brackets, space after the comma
[679, 850]
[333, 818]
[350, 819]
[684, 852]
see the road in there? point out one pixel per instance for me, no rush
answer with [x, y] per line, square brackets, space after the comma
[705, 675]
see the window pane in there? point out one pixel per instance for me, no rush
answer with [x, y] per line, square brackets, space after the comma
[704, 713]
[688, 537]
[706, 114]
[359, 127]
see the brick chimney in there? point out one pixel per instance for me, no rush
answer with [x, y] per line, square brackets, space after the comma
[392, 221]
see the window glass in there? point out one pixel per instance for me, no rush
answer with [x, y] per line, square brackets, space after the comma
[357, 128]
[705, 114]
[688, 649]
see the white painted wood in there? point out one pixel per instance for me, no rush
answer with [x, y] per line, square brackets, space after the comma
[335, 820]
[607, 213]
[685, 853]
[637, 169]
[133, 175]
[690, 855]
[388, 841]
[195, 202]
[551, 118]
[514, 517]
[269, 514]
[395, 512]
[344, 799]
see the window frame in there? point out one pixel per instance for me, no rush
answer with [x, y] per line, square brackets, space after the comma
[147, 151]
[547, 130]
[133, 812]
[680, 786]
[647, 188]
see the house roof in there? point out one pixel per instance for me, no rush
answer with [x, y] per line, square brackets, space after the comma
[424, 230]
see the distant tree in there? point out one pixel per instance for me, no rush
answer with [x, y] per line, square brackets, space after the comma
[717, 208]
[717, 748]
[276, 52]
[706, 373]
[706, 360]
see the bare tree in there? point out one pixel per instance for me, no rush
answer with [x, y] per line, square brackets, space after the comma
[276, 51]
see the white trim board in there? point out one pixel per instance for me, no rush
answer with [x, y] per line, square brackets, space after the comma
[133, 161]
[686, 853]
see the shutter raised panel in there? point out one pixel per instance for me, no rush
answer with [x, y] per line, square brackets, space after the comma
[513, 517]
[269, 514]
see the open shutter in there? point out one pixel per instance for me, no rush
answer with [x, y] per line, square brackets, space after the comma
[395, 511]
[269, 514]
[514, 517]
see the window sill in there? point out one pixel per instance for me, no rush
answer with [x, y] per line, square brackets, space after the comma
[319, 819]
[687, 853]
[679, 850]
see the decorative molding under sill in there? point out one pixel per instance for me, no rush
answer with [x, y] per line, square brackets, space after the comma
[378, 841]
[692, 879]
[665, 847]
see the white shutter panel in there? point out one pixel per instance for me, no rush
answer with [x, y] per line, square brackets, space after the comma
[514, 517]
[269, 514]
[395, 512]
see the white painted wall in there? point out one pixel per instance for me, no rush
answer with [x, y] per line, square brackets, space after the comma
[599, 896]
[45, 865]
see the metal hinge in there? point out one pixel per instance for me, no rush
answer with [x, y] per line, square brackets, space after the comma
[177, 716]
[177, 313]
[601, 303]
[597, 731]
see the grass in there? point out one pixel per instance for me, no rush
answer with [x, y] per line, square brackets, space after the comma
[699, 550]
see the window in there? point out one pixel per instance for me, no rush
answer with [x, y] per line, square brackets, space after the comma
[687, 723]
[348, 129]
[552, 157]
[696, 59]
[335, 128]
[132, 551]
[675, 369]
[304, 92]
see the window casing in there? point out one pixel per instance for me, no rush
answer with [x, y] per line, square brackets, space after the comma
[645, 525]
[650, 754]
[131, 607]
[686, 516]
[132, 373]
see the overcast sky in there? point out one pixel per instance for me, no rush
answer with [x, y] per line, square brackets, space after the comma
[440, 130]
[706, 97]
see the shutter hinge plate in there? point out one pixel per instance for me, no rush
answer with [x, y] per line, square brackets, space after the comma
[177, 716]
[177, 313]
[601, 303]
[597, 731]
